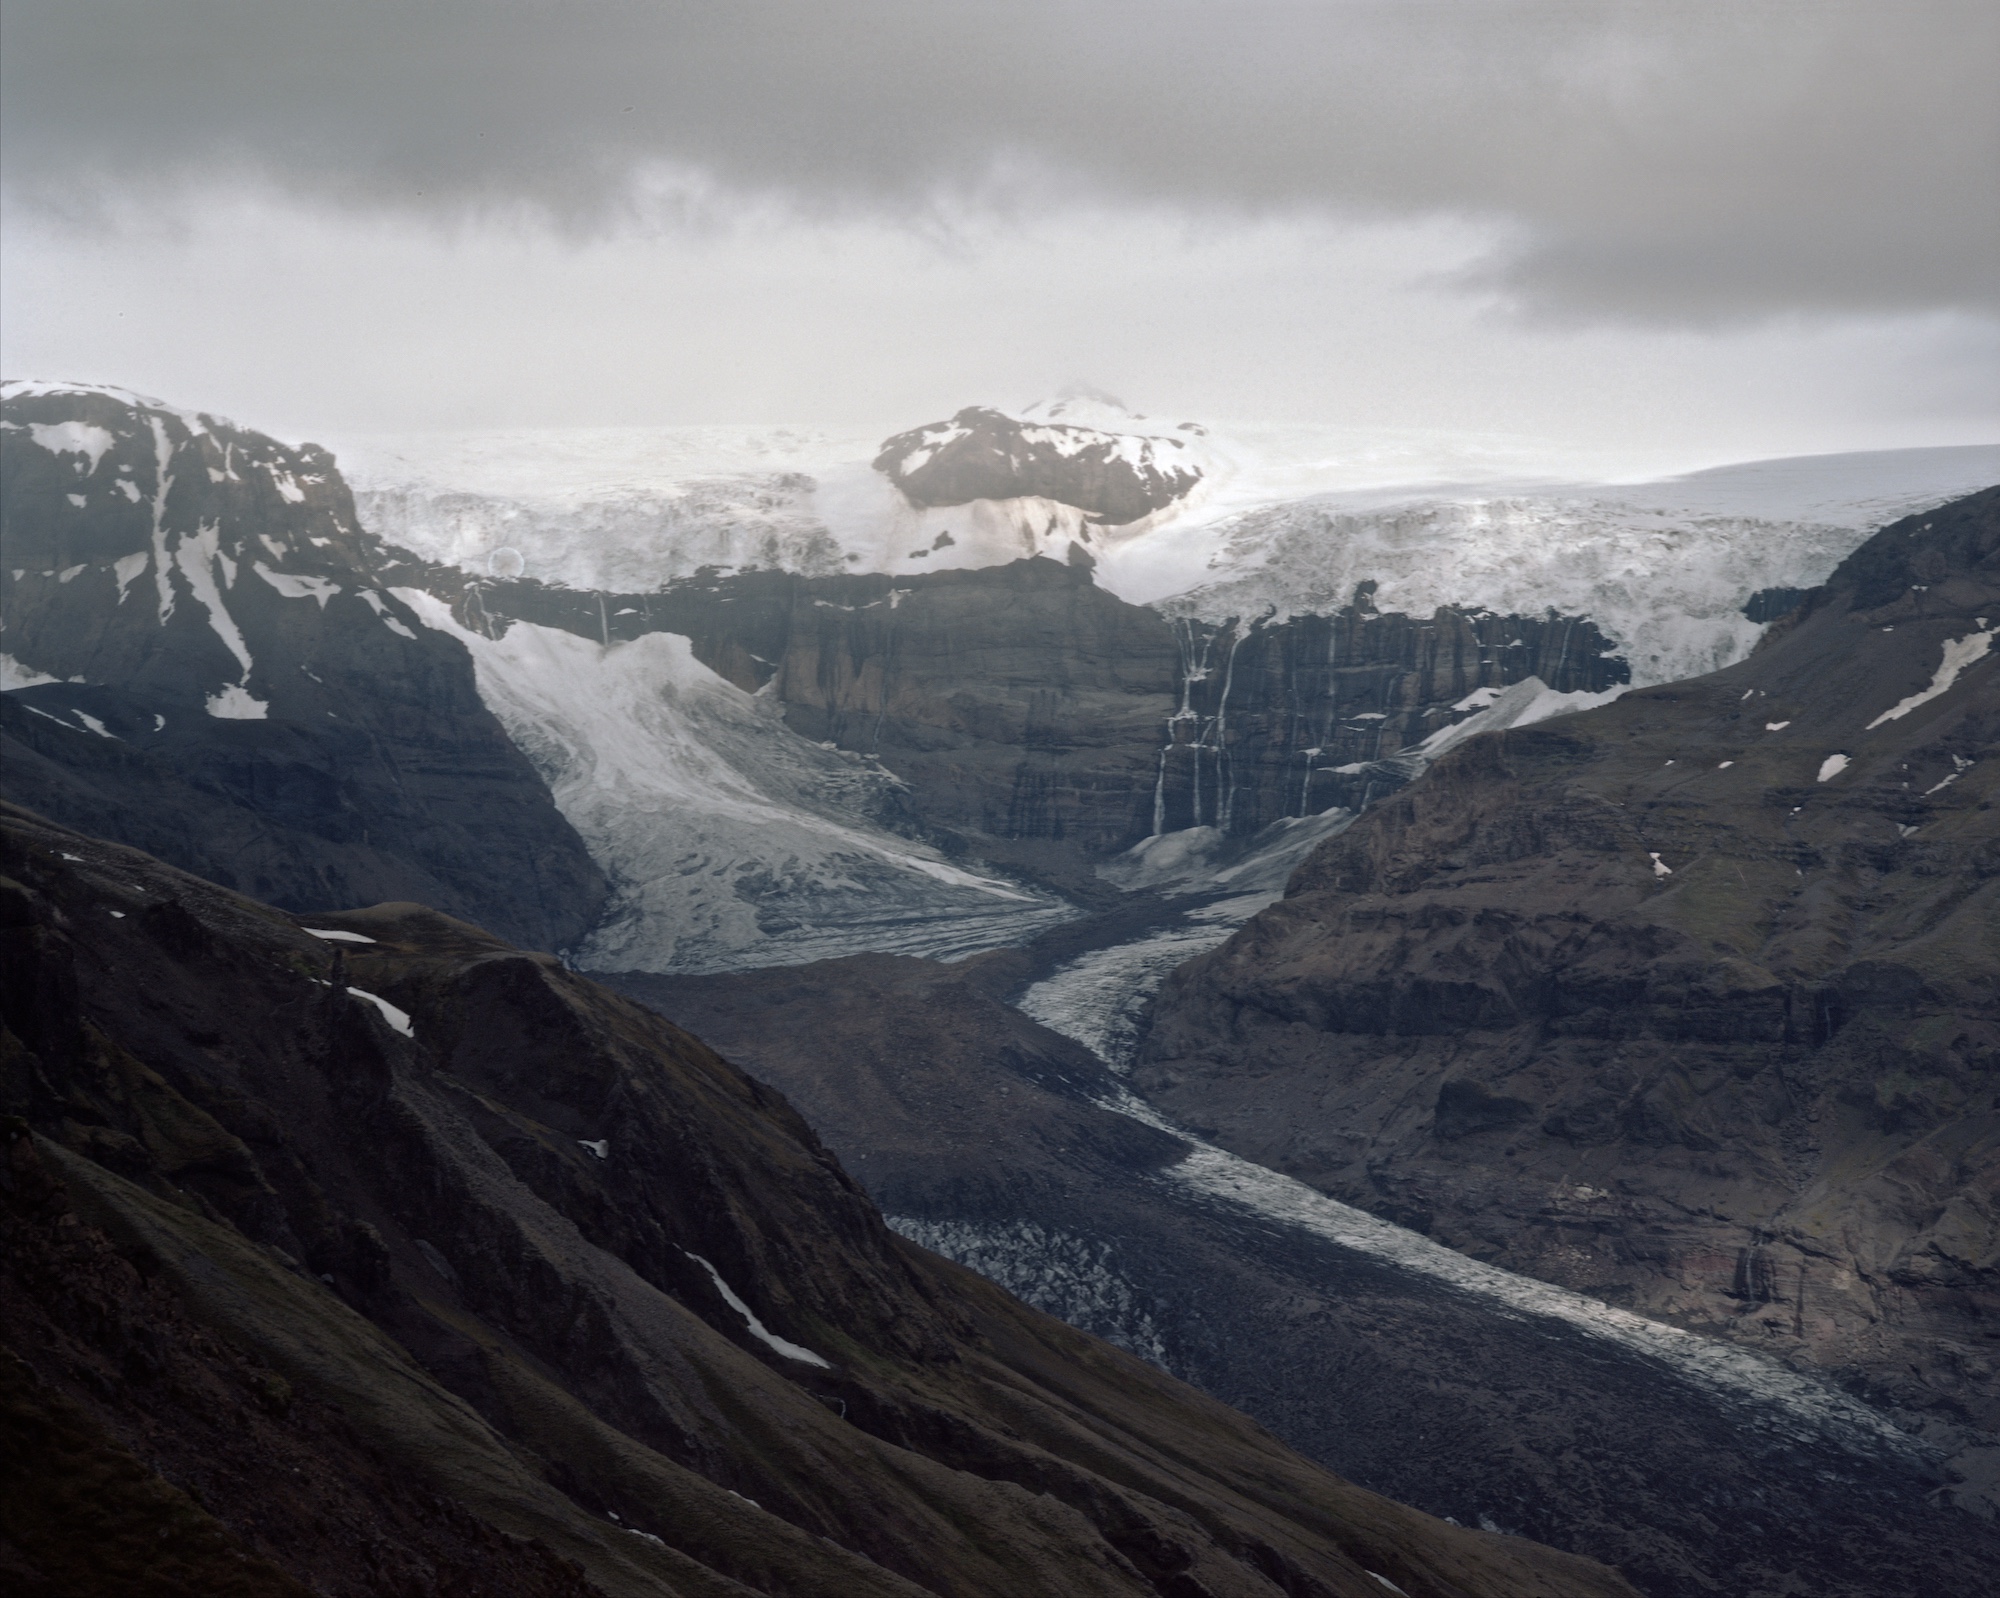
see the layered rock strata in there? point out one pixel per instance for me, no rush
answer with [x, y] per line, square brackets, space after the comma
[1023, 704]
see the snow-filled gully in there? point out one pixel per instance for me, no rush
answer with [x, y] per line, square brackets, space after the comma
[1097, 1000]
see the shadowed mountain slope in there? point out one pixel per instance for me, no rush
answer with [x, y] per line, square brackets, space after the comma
[395, 1257]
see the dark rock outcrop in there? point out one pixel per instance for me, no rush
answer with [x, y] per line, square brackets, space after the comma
[1114, 478]
[1038, 718]
[511, 1286]
[1691, 1002]
[234, 690]
[1293, 717]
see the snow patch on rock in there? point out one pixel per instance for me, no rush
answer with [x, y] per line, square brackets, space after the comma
[73, 438]
[1958, 654]
[398, 1019]
[756, 1327]
[234, 702]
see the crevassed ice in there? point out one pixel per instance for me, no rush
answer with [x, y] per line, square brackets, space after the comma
[1076, 1279]
[729, 841]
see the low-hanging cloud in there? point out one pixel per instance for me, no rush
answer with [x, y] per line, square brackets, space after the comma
[1679, 161]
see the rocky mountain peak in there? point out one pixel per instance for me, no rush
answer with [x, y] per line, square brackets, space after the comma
[1115, 477]
[208, 665]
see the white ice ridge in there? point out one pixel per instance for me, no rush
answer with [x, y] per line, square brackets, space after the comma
[332, 935]
[757, 1328]
[35, 388]
[728, 839]
[1958, 654]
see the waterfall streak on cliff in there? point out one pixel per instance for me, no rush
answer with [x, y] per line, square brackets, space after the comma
[1224, 768]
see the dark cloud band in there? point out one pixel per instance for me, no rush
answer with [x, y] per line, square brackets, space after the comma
[1684, 160]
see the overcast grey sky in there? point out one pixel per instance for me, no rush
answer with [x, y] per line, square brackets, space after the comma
[1692, 222]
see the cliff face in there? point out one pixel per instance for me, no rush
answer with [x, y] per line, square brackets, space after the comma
[1290, 718]
[393, 1257]
[212, 674]
[1023, 704]
[1691, 1002]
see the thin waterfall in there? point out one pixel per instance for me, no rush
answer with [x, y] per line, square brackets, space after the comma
[1194, 668]
[1225, 765]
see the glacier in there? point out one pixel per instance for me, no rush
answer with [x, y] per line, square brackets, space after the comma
[1287, 520]
[1098, 1000]
[729, 841]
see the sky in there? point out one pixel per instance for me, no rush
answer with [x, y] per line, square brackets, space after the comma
[1685, 230]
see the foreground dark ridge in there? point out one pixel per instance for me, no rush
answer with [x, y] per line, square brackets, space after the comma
[408, 1261]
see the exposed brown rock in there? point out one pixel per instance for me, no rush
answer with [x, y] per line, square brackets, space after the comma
[1654, 1003]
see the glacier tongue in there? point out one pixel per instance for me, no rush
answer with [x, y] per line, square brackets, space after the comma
[729, 840]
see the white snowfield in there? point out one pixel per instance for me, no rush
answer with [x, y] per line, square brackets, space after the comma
[728, 839]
